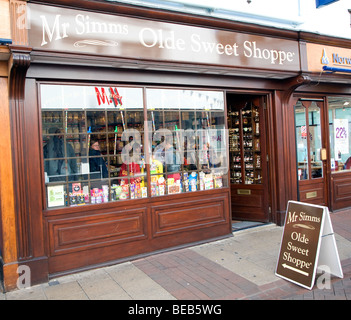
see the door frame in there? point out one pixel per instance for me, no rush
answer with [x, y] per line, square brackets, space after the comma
[266, 99]
[325, 145]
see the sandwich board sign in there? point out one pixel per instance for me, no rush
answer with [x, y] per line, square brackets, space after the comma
[308, 243]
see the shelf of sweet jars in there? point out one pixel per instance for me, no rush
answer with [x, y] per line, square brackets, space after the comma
[236, 177]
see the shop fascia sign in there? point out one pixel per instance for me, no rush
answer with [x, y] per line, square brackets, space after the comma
[71, 30]
[327, 58]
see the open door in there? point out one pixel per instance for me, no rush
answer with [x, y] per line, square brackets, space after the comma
[248, 157]
[311, 151]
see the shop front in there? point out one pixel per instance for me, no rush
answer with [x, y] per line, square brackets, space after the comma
[321, 113]
[132, 135]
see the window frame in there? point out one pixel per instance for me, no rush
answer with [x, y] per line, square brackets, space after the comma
[147, 173]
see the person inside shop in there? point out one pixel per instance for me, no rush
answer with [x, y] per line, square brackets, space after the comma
[97, 165]
[133, 168]
[58, 168]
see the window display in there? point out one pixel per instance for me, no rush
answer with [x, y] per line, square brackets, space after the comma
[187, 135]
[83, 141]
[95, 150]
[339, 129]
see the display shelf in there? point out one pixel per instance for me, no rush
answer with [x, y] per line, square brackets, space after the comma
[245, 145]
[76, 131]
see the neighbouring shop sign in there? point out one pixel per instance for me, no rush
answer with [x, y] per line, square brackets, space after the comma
[308, 244]
[328, 58]
[70, 30]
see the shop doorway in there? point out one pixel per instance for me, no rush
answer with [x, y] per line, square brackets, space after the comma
[248, 157]
[311, 152]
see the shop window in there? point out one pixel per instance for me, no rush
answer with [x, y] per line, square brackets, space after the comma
[95, 148]
[339, 109]
[308, 141]
[187, 148]
[301, 142]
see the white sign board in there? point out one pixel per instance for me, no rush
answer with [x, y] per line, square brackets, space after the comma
[341, 137]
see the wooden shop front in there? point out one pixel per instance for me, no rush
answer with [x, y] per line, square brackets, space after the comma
[138, 130]
[321, 116]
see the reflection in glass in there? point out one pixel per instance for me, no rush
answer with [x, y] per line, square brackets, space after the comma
[193, 145]
[340, 129]
[301, 141]
[315, 141]
[94, 148]
[96, 121]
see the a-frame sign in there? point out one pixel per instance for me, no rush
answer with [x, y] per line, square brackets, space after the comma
[308, 244]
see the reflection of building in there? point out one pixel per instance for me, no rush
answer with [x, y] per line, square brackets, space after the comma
[262, 84]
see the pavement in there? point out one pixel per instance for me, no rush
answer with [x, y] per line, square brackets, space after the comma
[241, 267]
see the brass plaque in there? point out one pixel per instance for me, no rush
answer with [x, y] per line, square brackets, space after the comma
[323, 154]
[244, 191]
[310, 195]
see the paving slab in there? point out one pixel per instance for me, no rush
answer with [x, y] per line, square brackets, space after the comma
[239, 267]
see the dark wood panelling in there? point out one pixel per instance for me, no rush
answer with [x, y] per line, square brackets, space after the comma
[80, 241]
[341, 190]
[188, 215]
[130, 250]
[312, 192]
[251, 206]
[250, 201]
[84, 233]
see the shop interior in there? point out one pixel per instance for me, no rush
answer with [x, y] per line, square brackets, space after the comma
[247, 157]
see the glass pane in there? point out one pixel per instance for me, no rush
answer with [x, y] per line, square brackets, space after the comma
[190, 152]
[315, 137]
[217, 120]
[96, 121]
[155, 117]
[135, 119]
[171, 120]
[301, 141]
[186, 136]
[203, 120]
[75, 122]
[79, 144]
[116, 121]
[52, 122]
[339, 128]
[188, 120]
[84, 136]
